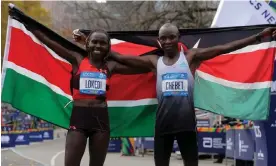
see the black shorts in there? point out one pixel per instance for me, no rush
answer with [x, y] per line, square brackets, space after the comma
[89, 119]
[187, 143]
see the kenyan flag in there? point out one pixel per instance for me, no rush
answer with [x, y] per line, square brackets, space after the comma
[37, 81]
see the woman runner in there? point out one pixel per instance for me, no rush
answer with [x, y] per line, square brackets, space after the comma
[90, 83]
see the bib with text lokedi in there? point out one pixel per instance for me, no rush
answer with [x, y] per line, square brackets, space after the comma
[93, 83]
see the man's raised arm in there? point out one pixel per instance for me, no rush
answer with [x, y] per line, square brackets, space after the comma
[211, 52]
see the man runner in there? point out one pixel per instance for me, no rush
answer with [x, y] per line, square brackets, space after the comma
[175, 118]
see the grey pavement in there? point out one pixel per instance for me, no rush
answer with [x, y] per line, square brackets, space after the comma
[51, 153]
[9, 158]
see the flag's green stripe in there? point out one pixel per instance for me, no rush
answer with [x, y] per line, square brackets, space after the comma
[132, 121]
[34, 98]
[239, 103]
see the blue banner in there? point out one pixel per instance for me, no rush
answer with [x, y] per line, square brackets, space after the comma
[115, 145]
[148, 142]
[244, 144]
[266, 132]
[35, 136]
[260, 144]
[230, 143]
[211, 142]
[21, 139]
[48, 134]
[7, 140]
[270, 130]
[208, 142]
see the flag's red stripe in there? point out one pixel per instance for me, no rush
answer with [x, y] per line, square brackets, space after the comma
[32, 56]
[248, 67]
[132, 87]
[127, 48]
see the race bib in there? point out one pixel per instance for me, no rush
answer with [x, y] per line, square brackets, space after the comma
[93, 83]
[175, 84]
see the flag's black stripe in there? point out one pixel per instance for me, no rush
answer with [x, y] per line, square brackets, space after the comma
[193, 31]
[209, 37]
